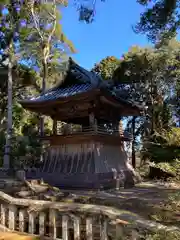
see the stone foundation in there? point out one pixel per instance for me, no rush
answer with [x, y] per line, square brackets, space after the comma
[86, 165]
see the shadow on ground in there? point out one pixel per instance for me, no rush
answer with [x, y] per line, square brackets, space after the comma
[151, 202]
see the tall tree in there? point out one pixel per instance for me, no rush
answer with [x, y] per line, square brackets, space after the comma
[149, 76]
[106, 67]
[161, 19]
[9, 33]
[153, 73]
[15, 37]
[46, 45]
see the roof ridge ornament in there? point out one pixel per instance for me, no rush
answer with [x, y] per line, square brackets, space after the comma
[90, 77]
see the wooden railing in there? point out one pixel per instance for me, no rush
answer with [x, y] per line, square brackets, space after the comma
[91, 130]
[54, 220]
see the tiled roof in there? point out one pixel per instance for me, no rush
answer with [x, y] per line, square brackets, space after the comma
[86, 81]
[84, 75]
[57, 93]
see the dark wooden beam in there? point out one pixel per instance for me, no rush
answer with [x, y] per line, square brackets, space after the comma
[83, 138]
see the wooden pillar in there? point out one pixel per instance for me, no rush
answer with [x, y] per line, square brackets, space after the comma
[117, 183]
[92, 122]
[54, 126]
[133, 142]
[95, 125]
[120, 128]
[91, 119]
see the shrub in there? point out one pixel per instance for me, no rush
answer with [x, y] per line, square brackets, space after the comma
[164, 147]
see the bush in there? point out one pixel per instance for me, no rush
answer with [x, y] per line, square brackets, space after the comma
[162, 235]
[164, 147]
[173, 168]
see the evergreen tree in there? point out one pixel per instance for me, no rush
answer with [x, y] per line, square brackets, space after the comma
[45, 45]
[21, 44]
[161, 19]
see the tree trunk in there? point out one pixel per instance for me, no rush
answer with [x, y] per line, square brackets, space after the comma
[152, 107]
[6, 163]
[45, 72]
[133, 142]
[43, 90]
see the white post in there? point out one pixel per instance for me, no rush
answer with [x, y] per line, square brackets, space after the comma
[31, 223]
[117, 183]
[134, 235]
[104, 225]
[12, 216]
[77, 228]
[119, 231]
[52, 217]
[114, 173]
[21, 220]
[3, 214]
[89, 231]
[65, 227]
[41, 223]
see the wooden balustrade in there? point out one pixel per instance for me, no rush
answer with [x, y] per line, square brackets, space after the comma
[56, 220]
[91, 130]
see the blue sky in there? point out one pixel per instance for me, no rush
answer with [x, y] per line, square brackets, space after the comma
[110, 34]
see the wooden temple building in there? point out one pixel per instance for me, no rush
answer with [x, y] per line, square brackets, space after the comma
[86, 147]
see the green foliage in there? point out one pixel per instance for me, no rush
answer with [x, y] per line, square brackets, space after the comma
[172, 137]
[150, 66]
[173, 167]
[43, 44]
[164, 147]
[26, 145]
[149, 235]
[35, 37]
[160, 19]
[106, 67]
[152, 75]
[135, 65]
[162, 235]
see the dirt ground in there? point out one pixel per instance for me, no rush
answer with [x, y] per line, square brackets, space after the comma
[15, 236]
[151, 201]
